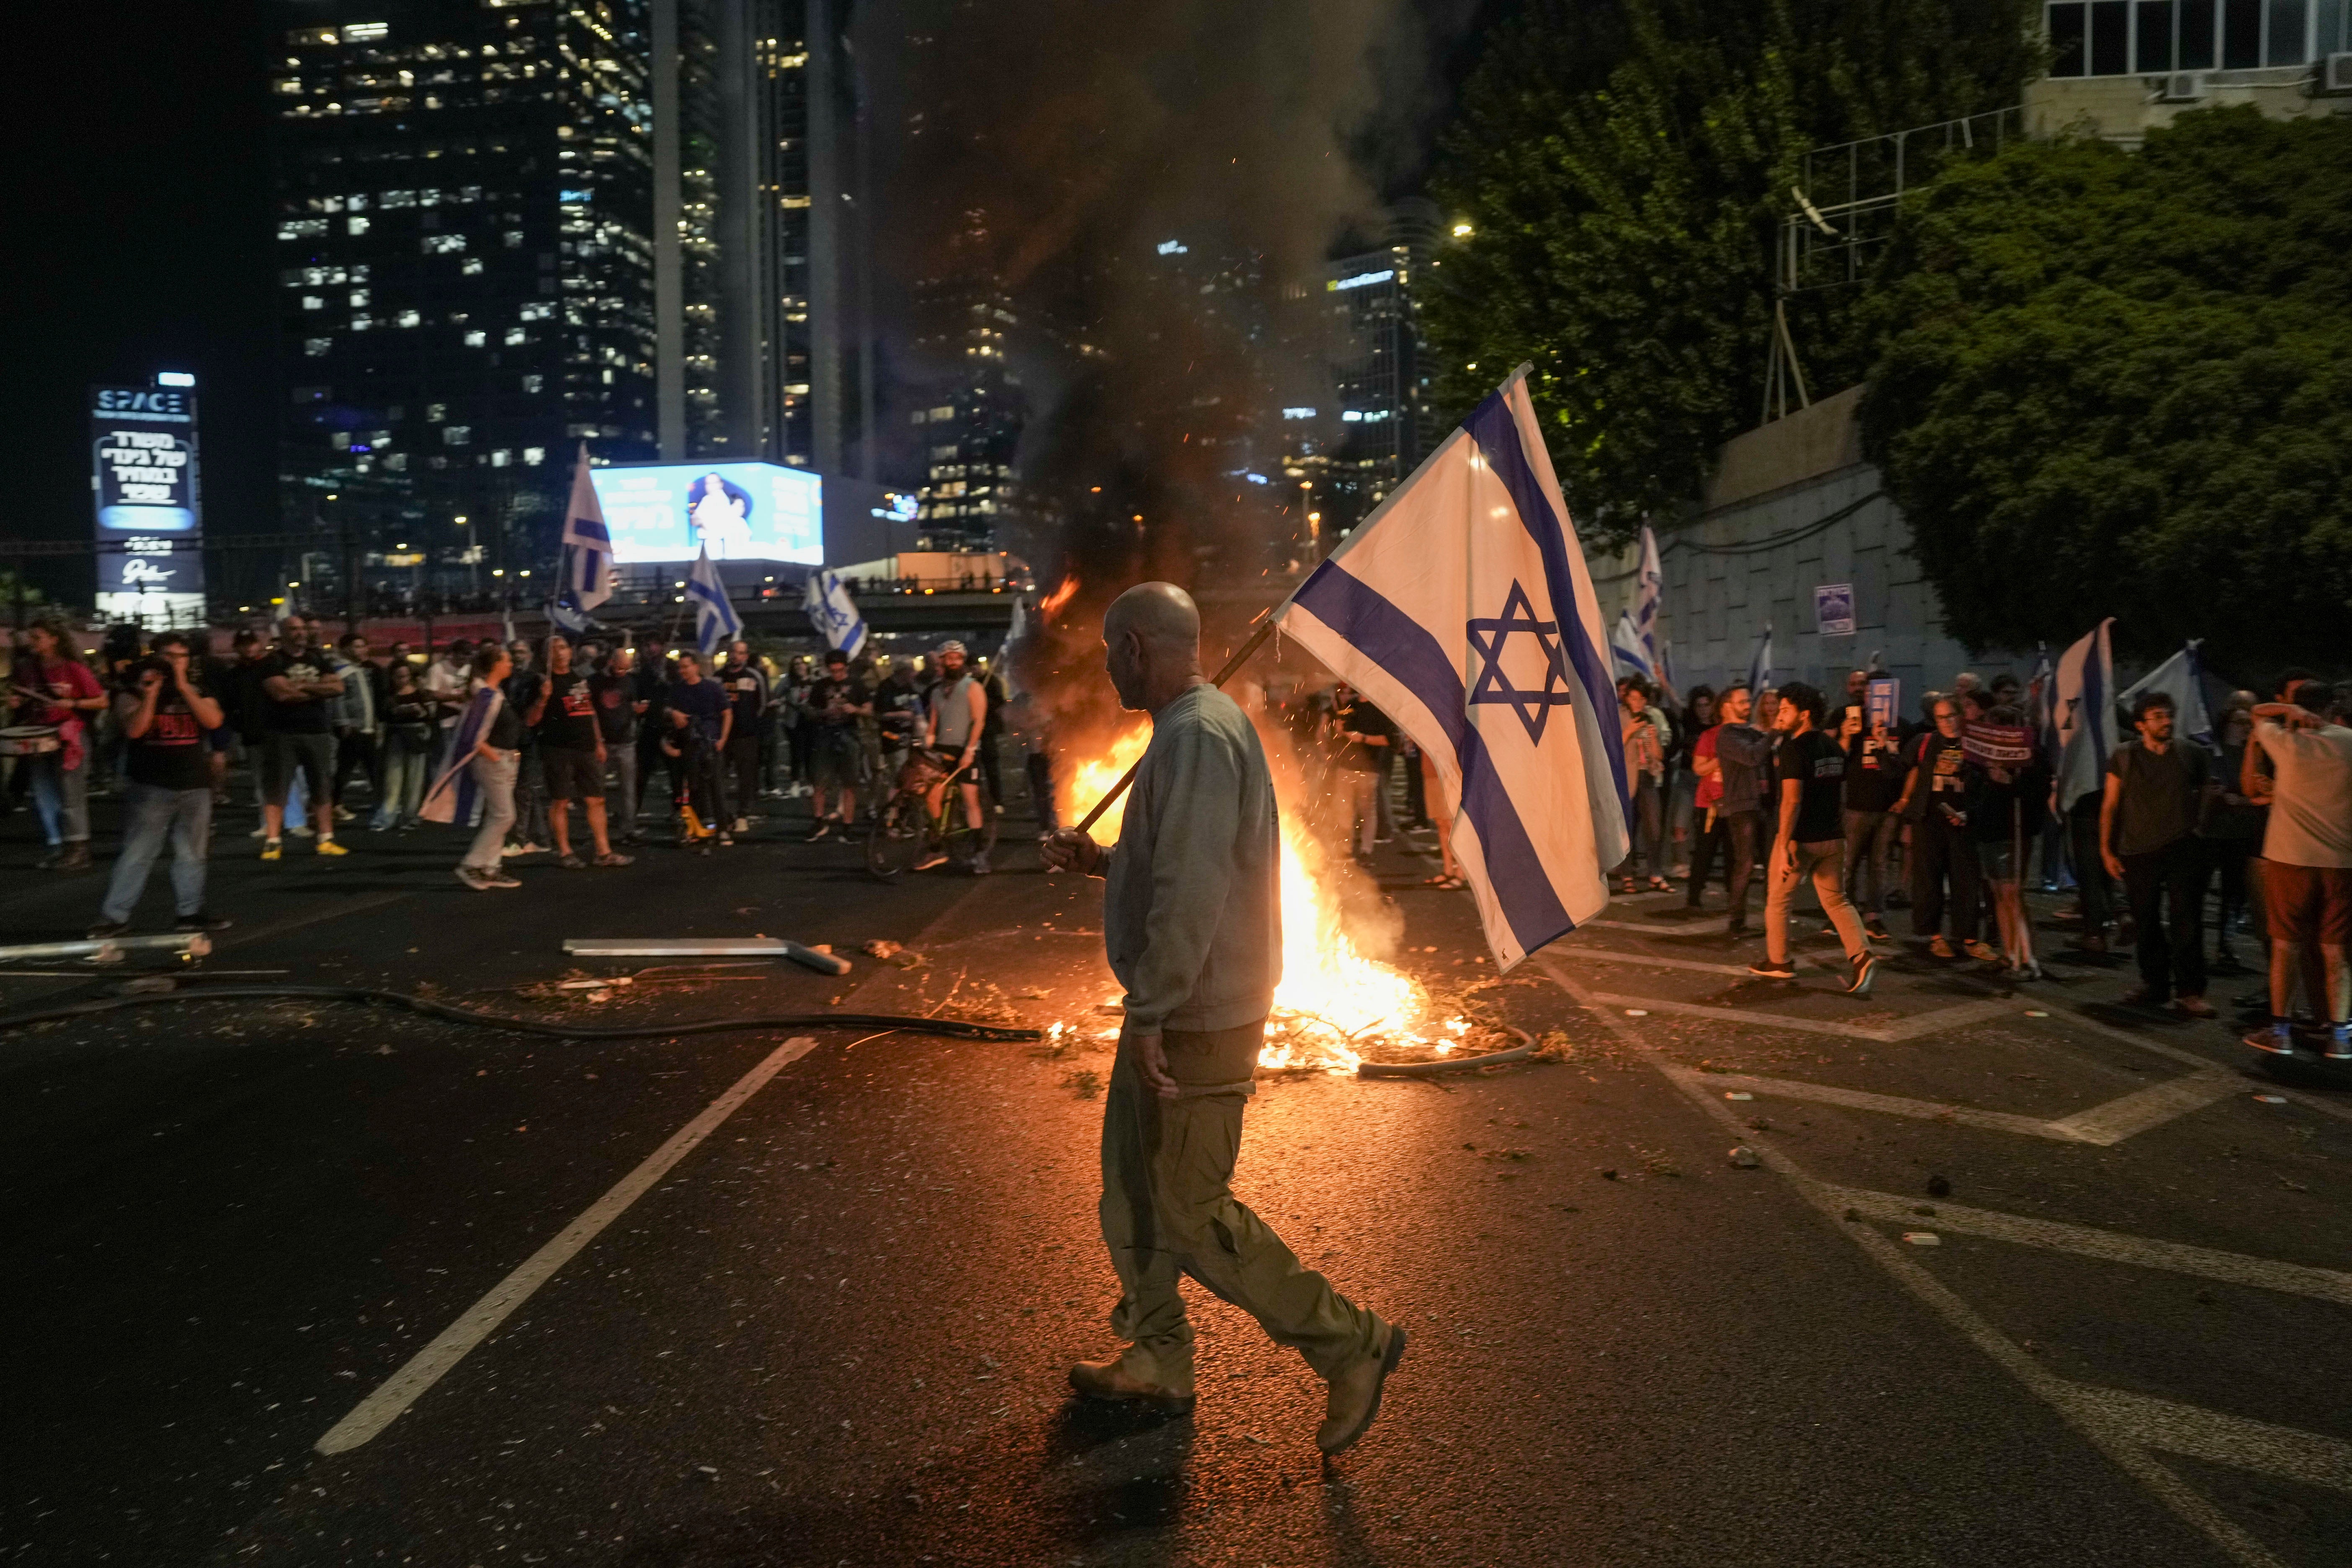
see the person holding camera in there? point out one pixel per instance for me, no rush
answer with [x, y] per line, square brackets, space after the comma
[165, 711]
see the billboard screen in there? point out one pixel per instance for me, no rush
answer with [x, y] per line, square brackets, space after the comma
[151, 559]
[740, 511]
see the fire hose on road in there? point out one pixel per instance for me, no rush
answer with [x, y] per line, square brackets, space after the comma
[170, 991]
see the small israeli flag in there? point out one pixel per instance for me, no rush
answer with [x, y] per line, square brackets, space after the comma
[834, 613]
[1648, 597]
[1462, 609]
[2087, 686]
[716, 624]
[587, 545]
[1625, 644]
[2182, 678]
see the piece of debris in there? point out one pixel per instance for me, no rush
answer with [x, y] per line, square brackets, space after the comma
[1939, 1187]
[1637, 1012]
[1608, 1175]
[1738, 1094]
[878, 948]
[1923, 1238]
[1084, 1082]
[1853, 1216]
[1744, 1157]
[2036, 1013]
[2271, 1099]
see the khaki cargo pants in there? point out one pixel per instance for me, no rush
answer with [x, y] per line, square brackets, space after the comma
[1168, 1208]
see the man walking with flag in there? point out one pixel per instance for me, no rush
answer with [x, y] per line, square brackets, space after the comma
[1193, 926]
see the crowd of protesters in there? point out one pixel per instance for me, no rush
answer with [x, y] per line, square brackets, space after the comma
[336, 735]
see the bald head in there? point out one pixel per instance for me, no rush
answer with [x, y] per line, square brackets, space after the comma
[1152, 637]
[1160, 613]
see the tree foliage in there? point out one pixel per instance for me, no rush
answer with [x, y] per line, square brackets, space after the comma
[2121, 384]
[1624, 164]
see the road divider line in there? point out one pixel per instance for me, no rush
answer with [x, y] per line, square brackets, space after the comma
[2104, 1245]
[429, 1365]
[2214, 1436]
[1957, 1016]
[1836, 966]
[2151, 1107]
[1884, 1104]
[2091, 1420]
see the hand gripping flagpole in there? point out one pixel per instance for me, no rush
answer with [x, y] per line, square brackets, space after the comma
[1241, 656]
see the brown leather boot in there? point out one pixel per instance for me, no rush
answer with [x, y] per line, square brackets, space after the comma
[76, 857]
[1354, 1397]
[1112, 1380]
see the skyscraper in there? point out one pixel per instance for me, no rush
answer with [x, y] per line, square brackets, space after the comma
[507, 226]
[1380, 424]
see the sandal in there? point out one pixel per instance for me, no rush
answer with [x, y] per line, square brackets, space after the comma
[1660, 885]
[1454, 883]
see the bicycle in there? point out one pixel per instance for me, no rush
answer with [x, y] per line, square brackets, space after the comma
[903, 826]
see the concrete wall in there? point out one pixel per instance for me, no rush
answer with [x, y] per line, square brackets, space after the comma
[2124, 107]
[1715, 603]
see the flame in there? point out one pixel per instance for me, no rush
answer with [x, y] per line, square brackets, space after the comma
[1053, 601]
[1333, 996]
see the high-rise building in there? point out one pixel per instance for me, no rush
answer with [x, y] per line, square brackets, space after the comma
[507, 226]
[1380, 422]
[967, 331]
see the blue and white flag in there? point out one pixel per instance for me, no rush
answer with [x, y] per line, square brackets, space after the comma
[1760, 664]
[2086, 684]
[1625, 646]
[587, 545]
[833, 613]
[2182, 678]
[1462, 609]
[1649, 593]
[716, 624]
[454, 796]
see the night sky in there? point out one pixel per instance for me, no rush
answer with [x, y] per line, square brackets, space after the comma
[139, 200]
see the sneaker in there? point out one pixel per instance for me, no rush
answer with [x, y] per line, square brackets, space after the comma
[2339, 1044]
[928, 858]
[1865, 970]
[258, 833]
[2193, 1007]
[329, 846]
[508, 851]
[105, 928]
[1766, 969]
[1982, 952]
[726, 841]
[573, 863]
[472, 877]
[499, 878]
[610, 859]
[1942, 947]
[2091, 942]
[2278, 1039]
[343, 813]
[1875, 928]
[202, 921]
[742, 824]
[274, 849]
[980, 863]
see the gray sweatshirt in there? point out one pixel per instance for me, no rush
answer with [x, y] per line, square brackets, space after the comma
[1193, 889]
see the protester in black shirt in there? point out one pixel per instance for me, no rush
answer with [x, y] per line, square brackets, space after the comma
[2156, 790]
[700, 717]
[620, 701]
[571, 755]
[165, 711]
[1933, 805]
[1808, 774]
[523, 689]
[297, 690]
[835, 701]
[1873, 784]
[2007, 799]
[746, 692]
[651, 677]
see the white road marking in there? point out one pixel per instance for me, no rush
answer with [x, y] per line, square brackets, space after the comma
[2151, 1107]
[2111, 1436]
[1933, 1021]
[1836, 966]
[1715, 927]
[427, 1366]
[2197, 1433]
[2336, 1108]
[2106, 1245]
[1862, 1099]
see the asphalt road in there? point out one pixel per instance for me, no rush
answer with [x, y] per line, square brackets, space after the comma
[2020, 1278]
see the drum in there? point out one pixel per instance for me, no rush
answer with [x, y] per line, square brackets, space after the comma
[29, 739]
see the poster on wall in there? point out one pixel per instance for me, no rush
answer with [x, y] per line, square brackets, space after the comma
[1834, 609]
[143, 478]
[737, 511]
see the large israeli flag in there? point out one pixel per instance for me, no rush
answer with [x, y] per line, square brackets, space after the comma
[1462, 607]
[833, 613]
[716, 624]
[587, 545]
[1626, 645]
[2086, 684]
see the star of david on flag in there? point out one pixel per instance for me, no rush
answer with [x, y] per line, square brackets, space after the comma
[1462, 609]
